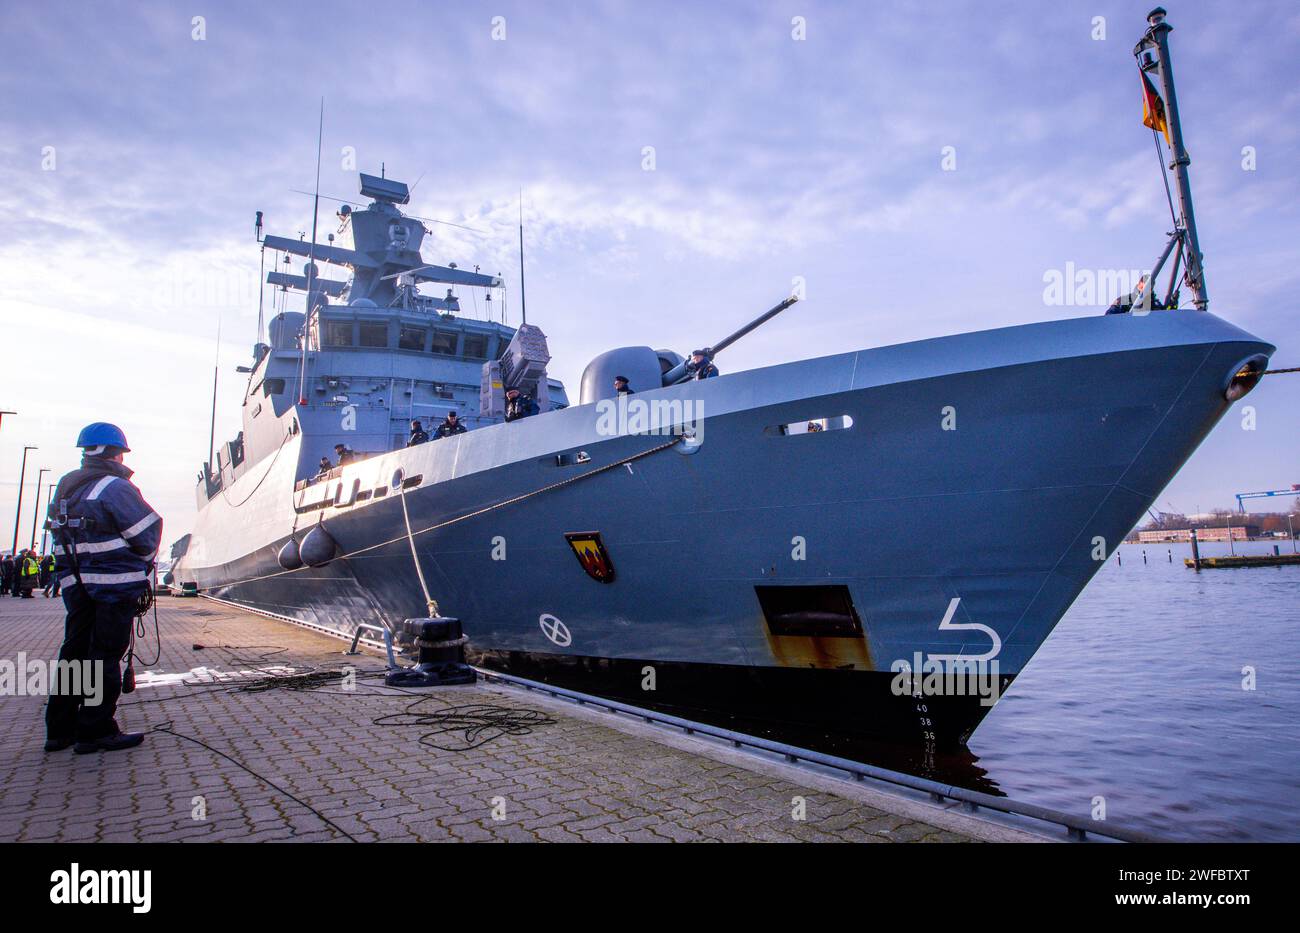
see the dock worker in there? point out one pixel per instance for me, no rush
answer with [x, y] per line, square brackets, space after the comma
[345, 454]
[519, 405]
[700, 366]
[106, 541]
[6, 574]
[450, 426]
[418, 434]
[14, 588]
[46, 563]
[52, 588]
[621, 386]
[29, 573]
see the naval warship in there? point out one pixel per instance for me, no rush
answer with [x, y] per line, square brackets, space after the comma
[775, 548]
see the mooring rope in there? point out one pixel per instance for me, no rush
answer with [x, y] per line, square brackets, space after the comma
[415, 557]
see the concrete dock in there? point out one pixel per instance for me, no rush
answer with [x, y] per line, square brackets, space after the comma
[326, 752]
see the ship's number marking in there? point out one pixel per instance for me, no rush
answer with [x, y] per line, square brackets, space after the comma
[948, 625]
[555, 630]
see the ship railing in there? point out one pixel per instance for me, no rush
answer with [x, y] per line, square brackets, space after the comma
[1076, 827]
[333, 472]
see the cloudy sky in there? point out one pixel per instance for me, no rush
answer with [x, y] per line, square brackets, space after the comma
[681, 164]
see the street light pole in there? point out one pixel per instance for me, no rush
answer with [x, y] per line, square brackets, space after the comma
[18, 511]
[36, 512]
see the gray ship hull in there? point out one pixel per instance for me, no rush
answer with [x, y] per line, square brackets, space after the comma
[958, 517]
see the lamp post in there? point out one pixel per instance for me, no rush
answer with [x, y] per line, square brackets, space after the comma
[18, 511]
[3, 413]
[36, 512]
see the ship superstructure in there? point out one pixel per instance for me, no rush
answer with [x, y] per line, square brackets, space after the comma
[379, 352]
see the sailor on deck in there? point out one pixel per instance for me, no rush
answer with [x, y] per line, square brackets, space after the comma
[345, 454]
[700, 366]
[106, 539]
[519, 405]
[1138, 299]
[450, 426]
[418, 434]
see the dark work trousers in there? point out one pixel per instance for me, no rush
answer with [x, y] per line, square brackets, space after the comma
[95, 631]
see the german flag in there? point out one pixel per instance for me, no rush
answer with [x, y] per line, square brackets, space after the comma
[1153, 109]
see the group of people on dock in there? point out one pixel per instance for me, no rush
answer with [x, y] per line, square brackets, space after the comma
[30, 571]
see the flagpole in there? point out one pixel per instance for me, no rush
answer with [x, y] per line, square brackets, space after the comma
[1157, 38]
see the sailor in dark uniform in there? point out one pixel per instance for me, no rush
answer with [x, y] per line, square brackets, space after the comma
[1125, 304]
[700, 366]
[450, 426]
[621, 386]
[418, 434]
[519, 405]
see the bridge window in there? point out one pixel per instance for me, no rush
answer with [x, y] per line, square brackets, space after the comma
[411, 338]
[338, 333]
[476, 346]
[273, 386]
[444, 342]
[374, 335]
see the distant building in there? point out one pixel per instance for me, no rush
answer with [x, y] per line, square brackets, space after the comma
[1211, 533]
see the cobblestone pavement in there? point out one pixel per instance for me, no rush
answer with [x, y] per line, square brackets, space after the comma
[571, 775]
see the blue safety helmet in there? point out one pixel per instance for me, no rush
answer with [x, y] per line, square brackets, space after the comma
[102, 434]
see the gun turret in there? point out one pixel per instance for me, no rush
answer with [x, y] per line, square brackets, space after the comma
[678, 372]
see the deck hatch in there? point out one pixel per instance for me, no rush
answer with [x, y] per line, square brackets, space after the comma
[816, 611]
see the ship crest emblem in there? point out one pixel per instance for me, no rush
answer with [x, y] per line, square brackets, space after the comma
[591, 554]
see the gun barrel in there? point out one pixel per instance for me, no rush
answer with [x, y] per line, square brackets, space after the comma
[677, 372]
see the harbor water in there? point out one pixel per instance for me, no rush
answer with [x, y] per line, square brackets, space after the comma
[1138, 698]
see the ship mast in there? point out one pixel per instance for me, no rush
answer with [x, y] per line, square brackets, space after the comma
[1156, 40]
[311, 264]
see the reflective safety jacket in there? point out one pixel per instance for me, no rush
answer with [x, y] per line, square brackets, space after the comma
[115, 532]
